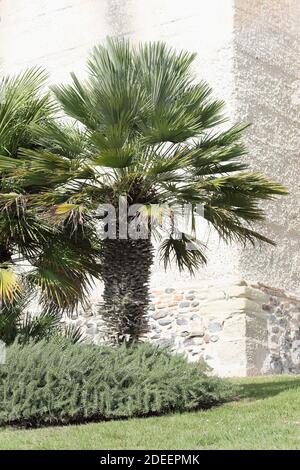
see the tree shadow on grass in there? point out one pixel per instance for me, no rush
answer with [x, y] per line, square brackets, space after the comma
[262, 390]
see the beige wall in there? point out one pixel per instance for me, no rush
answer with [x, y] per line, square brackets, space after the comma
[267, 91]
[249, 53]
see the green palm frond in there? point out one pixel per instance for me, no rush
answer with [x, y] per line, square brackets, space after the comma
[22, 102]
[252, 184]
[114, 158]
[65, 270]
[65, 139]
[38, 327]
[73, 334]
[11, 314]
[18, 322]
[77, 102]
[20, 226]
[233, 225]
[186, 252]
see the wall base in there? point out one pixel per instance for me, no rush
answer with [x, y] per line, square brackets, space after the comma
[239, 329]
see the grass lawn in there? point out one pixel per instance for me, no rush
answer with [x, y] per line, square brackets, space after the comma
[267, 417]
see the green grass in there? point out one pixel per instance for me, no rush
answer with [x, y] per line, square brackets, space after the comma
[266, 417]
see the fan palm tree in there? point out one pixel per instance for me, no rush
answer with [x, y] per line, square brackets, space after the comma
[143, 127]
[34, 255]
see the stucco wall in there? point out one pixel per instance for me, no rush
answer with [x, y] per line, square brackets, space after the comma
[267, 92]
[249, 53]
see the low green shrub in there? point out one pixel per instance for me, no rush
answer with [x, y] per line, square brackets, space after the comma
[57, 382]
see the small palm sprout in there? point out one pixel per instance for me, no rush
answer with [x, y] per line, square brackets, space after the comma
[145, 129]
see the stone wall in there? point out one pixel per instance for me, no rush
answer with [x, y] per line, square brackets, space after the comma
[283, 322]
[239, 329]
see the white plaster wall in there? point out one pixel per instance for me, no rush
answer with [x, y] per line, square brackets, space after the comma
[267, 92]
[59, 33]
[249, 53]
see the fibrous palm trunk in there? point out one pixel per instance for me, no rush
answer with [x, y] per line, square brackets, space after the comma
[126, 275]
[5, 254]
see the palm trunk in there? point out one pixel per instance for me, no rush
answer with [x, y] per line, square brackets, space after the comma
[5, 254]
[126, 276]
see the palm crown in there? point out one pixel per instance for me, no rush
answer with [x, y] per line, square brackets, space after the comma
[142, 127]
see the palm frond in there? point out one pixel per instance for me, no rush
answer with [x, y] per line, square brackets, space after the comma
[232, 228]
[60, 138]
[73, 334]
[186, 252]
[38, 327]
[10, 285]
[11, 314]
[65, 271]
[253, 184]
[22, 102]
